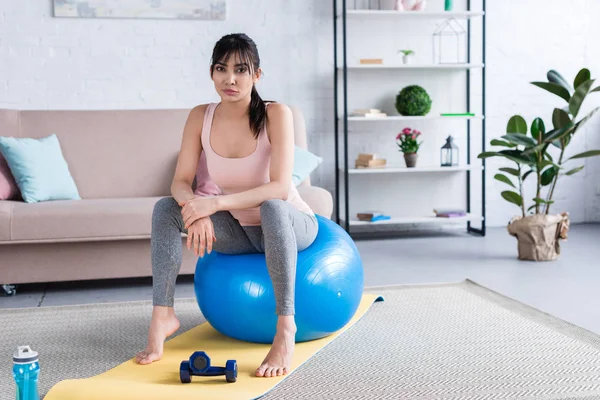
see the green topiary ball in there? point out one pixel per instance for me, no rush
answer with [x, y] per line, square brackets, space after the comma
[413, 100]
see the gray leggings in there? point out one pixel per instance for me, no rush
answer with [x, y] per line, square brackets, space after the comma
[283, 232]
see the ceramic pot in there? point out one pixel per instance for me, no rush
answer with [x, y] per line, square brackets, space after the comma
[410, 159]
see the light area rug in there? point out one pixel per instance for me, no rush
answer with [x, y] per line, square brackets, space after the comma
[440, 341]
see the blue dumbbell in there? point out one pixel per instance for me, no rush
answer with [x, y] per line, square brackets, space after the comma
[199, 365]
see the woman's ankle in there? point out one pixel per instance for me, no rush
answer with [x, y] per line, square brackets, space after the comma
[286, 323]
[162, 311]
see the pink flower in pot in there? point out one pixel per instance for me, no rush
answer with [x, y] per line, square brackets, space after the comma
[408, 144]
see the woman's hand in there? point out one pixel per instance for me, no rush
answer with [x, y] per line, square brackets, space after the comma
[197, 208]
[201, 235]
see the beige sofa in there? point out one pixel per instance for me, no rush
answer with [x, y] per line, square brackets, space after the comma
[122, 162]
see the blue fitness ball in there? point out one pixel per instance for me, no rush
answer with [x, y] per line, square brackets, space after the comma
[235, 293]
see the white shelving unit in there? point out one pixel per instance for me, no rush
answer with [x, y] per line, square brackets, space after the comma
[345, 175]
[391, 169]
[432, 219]
[415, 66]
[412, 14]
[408, 118]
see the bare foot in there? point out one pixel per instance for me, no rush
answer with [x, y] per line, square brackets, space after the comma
[164, 323]
[278, 360]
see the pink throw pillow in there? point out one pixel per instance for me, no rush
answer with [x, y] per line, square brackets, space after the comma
[8, 187]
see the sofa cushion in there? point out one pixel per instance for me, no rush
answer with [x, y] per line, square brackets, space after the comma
[80, 220]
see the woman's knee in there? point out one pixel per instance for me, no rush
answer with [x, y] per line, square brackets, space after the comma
[275, 209]
[164, 208]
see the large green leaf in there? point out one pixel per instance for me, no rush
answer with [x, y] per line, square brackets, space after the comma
[512, 171]
[548, 176]
[583, 120]
[527, 174]
[557, 134]
[519, 139]
[517, 156]
[574, 171]
[496, 142]
[560, 118]
[512, 197]
[538, 129]
[582, 76]
[504, 179]
[585, 154]
[538, 200]
[516, 124]
[554, 88]
[534, 149]
[545, 163]
[579, 96]
[554, 77]
[488, 154]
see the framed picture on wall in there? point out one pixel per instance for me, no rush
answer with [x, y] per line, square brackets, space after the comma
[153, 9]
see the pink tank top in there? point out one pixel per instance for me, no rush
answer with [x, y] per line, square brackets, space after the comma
[234, 175]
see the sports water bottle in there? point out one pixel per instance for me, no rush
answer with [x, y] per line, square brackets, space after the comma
[26, 370]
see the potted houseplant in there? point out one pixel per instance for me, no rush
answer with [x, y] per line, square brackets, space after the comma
[413, 100]
[409, 145]
[543, 155]
[406, 55]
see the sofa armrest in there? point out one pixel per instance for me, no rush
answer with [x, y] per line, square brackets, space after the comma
[318, 199]
[6, 207]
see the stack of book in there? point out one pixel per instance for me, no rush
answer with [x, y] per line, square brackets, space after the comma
[365, 160]
[368, 113]
[450, 212]
[372, 216]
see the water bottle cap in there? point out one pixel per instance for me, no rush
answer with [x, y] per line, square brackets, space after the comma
[25, 355]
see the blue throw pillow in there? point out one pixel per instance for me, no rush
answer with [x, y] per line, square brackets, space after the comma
[305, 162]
[39, 168]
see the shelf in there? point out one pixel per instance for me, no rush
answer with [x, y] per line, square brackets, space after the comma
[413, 14]
[403, 170]
[417, 220]
[461, 66]
[408, 118]
[351, 189]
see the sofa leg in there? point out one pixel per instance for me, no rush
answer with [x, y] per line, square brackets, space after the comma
[8, 290]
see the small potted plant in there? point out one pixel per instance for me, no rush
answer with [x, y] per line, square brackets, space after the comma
[409, 145]
[406, 55]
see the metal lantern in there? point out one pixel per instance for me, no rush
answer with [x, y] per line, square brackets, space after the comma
[449, 153]
[450, 43]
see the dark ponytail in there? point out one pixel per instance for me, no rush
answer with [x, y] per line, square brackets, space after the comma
[258, 112]
[245, 48]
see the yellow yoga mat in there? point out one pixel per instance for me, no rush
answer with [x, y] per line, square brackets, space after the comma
[160, 380]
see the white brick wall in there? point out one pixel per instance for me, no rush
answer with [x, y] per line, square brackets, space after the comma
[564, 41]
[58, 63]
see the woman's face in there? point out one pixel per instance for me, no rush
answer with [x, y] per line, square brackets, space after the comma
[233, 80]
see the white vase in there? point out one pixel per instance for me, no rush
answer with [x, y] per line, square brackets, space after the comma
[406, 58]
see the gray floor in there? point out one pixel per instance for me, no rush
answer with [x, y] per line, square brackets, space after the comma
[566, 288]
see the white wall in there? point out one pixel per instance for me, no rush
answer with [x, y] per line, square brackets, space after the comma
[59, 63]
[564, 40]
